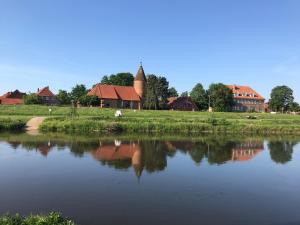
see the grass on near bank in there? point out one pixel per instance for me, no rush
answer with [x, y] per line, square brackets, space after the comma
[50, 219]
[103, 120]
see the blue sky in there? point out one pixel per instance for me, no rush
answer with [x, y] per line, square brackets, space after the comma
[64, 42]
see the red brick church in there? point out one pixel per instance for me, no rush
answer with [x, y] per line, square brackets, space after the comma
[113, 96]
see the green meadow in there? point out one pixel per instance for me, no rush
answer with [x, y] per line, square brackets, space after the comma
[91, 120]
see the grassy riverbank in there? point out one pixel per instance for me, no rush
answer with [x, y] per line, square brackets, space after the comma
[91, 120]
[14, 123]
[50, 219]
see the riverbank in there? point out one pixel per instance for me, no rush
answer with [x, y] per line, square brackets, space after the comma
[12, 123]
[95, 120]
[50, 219]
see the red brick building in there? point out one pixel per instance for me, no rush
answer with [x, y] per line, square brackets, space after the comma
[182, 104]
[113, 96]
[247, 99]
[12, 98]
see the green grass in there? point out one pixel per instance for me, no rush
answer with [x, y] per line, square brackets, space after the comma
[103, 121]
[12, 123]
[50, 219]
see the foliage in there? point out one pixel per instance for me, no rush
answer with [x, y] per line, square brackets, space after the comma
[184, 94]
[281, 152]
[50, 219]
[89, 100]
[63, 97]
[221, 97]
[156, 96]
[78, 91]
[199, 96]
[12, 124]
[172, 92]
[32, 99]
[281, 99]
[121, 79]
[295, 107]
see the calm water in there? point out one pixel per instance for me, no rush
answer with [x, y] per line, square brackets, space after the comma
[123, 180]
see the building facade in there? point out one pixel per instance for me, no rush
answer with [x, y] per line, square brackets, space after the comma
[12, 98]
[182, 104]
[113, 96]
[46, 96]
[247, 99]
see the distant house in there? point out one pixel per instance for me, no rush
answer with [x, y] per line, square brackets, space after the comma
[182, 104]
[113, 96]
[12, 98]
[46, 96]
[247, 99]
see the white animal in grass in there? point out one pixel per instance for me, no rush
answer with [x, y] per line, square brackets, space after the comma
[118, 113]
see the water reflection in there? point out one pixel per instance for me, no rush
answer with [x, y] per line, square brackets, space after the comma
[152, 155]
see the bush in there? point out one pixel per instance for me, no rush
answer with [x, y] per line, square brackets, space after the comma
[32, 99]
[50, 219]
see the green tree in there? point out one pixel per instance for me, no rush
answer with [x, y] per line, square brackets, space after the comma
[89, 100]
[221, 97]
[295, 107]
[78, 91]
[121, 79]
[63, 97]
[199, 96]
[32, 99]
[172, 92]
[281, 98]
[184, 94]
[156, 96]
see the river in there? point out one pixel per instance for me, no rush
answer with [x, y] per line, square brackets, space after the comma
[213, 180]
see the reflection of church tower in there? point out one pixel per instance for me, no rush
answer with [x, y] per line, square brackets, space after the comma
[136, 162]
[140, 82]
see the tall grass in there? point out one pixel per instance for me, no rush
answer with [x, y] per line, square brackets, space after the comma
[50, 219]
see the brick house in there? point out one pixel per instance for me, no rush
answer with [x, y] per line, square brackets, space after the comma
[46, 96]
[182, 104]
[247, 99]
[12, 98]
[113, 96]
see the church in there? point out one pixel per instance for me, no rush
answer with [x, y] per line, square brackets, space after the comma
[113, 96]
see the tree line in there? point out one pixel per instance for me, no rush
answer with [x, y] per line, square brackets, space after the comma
[157, 91]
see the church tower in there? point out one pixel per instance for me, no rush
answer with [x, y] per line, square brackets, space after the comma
[140, 82]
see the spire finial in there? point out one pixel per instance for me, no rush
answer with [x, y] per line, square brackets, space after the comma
[141, 63]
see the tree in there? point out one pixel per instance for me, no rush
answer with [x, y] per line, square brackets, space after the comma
[184, 94]
[78, 91]
[156, 96]
[121, 79]
[295, 107]
[281, 151]
[89, 100]
[199, 96]
[63, 97]
[281, 98]
[221, 97]
[172, 92]
[32, 99]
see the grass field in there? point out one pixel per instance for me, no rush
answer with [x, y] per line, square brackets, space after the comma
[103, 120]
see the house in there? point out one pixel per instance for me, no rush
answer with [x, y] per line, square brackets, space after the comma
[12, 98]
[247, 150]
[182, 104]
[113, 96]
[247, 99]
[46, 96]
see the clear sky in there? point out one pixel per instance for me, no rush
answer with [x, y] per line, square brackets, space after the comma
[64, 42]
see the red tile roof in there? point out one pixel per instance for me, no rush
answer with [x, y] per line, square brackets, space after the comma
[104, 91]
[45, 92]
[244, 92]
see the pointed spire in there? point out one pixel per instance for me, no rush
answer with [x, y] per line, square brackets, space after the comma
[140, 76]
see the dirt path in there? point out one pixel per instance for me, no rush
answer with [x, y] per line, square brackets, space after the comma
[34, 123]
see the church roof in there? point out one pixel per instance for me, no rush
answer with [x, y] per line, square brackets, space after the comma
[140, 76]
[104, 91]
